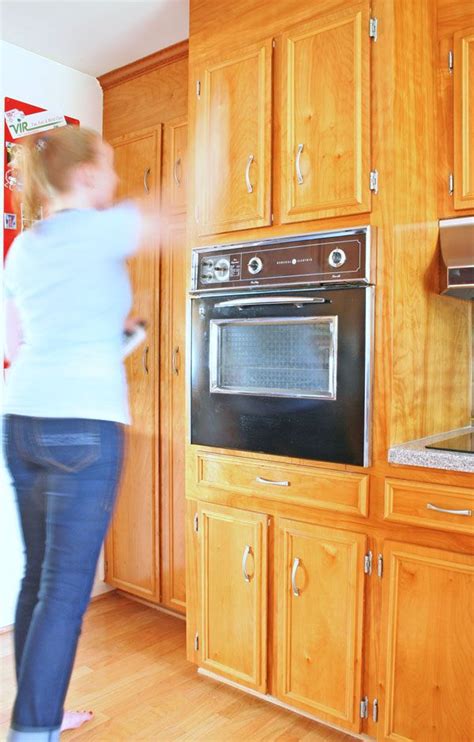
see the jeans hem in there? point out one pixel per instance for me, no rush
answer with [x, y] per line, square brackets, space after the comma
[33, 730]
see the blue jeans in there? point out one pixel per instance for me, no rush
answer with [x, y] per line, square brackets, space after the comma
[65, 474]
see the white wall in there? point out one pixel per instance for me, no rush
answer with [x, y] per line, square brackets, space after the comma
[33, 79]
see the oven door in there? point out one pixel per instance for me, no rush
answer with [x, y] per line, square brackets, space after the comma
[285, 374]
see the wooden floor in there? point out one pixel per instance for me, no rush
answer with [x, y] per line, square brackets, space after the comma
[132, 671]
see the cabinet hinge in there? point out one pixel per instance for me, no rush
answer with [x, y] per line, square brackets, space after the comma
[274, 43]
[198, 89]
[196, 523]
[364, 708]
[374, 181]
[373, 28]
[375, 710]
[380, 566]
[368, 563]
[450, 60]
[450, 184]
[196, 641]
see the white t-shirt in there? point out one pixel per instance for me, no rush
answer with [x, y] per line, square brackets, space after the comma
[68, 278]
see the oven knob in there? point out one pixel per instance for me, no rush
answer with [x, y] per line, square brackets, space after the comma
[221, 269]
[255, 265]
[337, 258]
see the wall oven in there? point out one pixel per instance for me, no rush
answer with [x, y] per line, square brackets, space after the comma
[281, 346]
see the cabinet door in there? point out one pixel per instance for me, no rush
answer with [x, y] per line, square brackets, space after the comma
[233, 157]
[320, 599]
[428, 615]
[233, 600]
[173, 415]
[326, 117]
[132, 548]
[464, 119]
[175, 166]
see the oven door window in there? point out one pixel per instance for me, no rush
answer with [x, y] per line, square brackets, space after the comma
[277, 357]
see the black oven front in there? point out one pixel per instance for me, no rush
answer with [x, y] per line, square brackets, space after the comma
[282, 365]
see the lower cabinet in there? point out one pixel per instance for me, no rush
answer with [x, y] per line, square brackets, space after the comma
[428, 619]
[418, 685]
[233, 593]
[320, 584]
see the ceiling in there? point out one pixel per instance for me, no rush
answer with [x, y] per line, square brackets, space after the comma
[94, 36]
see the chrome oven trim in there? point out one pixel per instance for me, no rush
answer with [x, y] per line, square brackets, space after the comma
[368, 381]
[214, 325]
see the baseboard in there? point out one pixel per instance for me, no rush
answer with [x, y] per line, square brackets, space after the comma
[156, 607]
[281, 704]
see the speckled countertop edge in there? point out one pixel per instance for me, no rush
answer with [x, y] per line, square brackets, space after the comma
[414, 453]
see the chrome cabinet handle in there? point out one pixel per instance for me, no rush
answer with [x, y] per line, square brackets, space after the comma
[468, 513]
[175, 361]
[177, 165]
[145, 179]
[247, 174]
[261, 480]
[245, 556]
[299, 174]
[294, 569]
[145, 359]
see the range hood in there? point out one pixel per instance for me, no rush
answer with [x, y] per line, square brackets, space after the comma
[457, 250]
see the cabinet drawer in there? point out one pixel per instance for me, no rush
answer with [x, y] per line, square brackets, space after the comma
[343, 492]
[416, 503]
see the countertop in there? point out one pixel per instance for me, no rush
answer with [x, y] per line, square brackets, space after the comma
[414, 453]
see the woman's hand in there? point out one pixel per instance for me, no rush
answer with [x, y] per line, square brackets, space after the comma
[132, 322]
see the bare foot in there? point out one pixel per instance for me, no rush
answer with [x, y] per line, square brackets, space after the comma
[75, 719]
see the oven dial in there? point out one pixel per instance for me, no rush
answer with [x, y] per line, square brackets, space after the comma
[337, 258]
[222, 269]
[255, 265]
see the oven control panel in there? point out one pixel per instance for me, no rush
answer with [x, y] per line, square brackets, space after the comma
[317, 259]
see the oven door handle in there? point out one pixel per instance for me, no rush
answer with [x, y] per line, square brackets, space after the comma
[272, 300]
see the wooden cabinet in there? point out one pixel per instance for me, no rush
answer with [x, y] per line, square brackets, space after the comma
[233, 593]
[428, 615]
[464, 119]
[325, 116]
[173, 414]
[132, 549]
[233, 141]
[322, 117]
[334, 491]
[175, 166]
[320, 619]
[430, 505]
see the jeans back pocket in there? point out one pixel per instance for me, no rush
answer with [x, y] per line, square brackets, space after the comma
[67, 444]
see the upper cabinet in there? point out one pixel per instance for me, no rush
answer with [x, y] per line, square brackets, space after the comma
[321, 126]
[463, 64]
[325, 117]
[233, 146]
[175, 166]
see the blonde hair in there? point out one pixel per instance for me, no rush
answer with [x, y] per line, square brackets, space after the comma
[47, 160]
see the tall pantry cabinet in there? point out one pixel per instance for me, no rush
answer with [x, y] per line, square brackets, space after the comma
[144, 553]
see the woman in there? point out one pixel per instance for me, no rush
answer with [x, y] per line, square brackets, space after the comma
[65, 406]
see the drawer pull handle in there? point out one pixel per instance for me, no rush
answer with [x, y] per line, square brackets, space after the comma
[145, 179]
[175, 361]
[245, 556]
[299, 174]
[247, 175]
[450, 512]
[261, 480]
[294, 569]
[177, 165]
